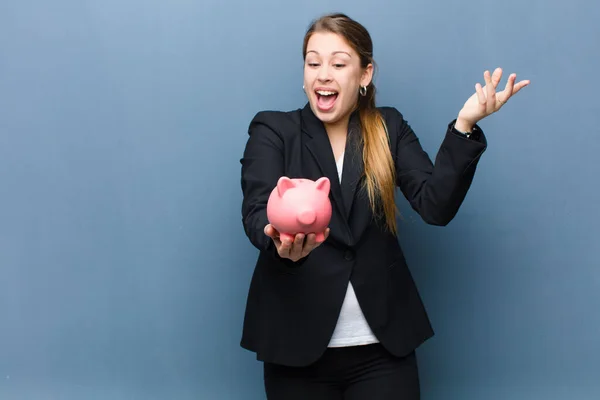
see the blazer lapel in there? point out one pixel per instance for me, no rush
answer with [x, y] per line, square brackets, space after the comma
[353, 164]
[319, 146]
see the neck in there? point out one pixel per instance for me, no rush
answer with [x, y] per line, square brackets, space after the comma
[339, 128]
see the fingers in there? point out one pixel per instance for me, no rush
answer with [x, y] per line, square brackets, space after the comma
[480, 94]
[512, 88]
[285, 246]
[310, 243]
[520, 85]
[313, 241]
[510, 85]
[272, 233]
[487, 97]
[300, 245]
[297, 245]
[508, 90]
[496, 77]
[490, 92]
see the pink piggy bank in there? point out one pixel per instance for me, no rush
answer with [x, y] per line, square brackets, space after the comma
[300, 206]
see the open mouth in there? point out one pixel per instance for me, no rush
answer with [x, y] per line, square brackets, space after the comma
[326, 99]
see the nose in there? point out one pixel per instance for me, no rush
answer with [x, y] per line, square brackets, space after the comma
[324, 74]
[307, 217]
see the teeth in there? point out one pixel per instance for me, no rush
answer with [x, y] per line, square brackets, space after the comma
[325, 93]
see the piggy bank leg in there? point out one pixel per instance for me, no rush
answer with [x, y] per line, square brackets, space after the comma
[320, 237]
[286, 236]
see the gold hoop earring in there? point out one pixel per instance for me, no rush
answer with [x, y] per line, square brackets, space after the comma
[363, 90]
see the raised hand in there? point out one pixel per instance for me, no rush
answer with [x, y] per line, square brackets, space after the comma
[486, 100]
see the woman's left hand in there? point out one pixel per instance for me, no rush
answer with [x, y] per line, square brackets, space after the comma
[486, 100]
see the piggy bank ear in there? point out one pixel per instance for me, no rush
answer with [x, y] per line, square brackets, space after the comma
[284, 184]
[323, 185]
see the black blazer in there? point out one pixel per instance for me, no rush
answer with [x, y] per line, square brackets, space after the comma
[292, 308]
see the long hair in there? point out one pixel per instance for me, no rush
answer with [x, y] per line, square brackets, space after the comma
[379, 167]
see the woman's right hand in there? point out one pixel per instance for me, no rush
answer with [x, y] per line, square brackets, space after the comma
[297, 248]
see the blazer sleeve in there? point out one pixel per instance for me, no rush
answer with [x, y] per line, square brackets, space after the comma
[262, 165]
[436, 190]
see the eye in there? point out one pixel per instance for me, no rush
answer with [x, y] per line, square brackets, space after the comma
[339, 65]
[313, 64]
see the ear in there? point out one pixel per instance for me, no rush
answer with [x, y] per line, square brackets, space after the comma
[284, 184]
[323, 185]
[367, 76]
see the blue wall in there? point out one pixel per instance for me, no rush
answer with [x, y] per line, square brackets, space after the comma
[123, 264]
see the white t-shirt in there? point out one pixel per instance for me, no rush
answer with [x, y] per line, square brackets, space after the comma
[352, 328]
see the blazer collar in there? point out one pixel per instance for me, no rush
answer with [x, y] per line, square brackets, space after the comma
[320, 147]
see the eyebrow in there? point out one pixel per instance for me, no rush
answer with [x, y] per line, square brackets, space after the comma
[334, 52]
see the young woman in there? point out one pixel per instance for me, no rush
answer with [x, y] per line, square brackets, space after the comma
[341, 318]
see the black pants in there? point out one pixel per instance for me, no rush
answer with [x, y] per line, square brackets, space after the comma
[347, 373]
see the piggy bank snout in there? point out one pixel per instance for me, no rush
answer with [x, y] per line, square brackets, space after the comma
[307, 217]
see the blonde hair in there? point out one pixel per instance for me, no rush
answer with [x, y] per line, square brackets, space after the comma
[379, 170]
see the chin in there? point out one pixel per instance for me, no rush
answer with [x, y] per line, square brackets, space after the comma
[327, 117]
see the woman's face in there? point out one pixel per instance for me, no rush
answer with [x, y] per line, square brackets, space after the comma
[333, 76]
